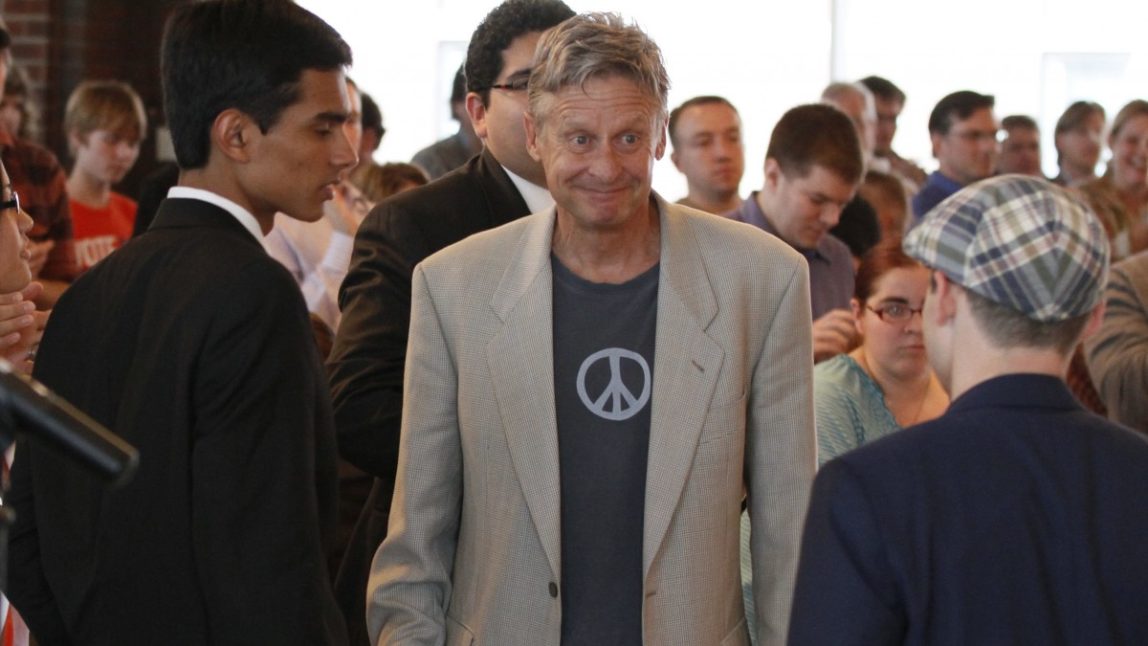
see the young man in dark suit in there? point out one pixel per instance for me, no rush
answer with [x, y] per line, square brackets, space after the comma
[194, 345]
[499, 185]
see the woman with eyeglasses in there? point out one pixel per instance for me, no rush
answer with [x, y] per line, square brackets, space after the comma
[20, 325]
[886, 383]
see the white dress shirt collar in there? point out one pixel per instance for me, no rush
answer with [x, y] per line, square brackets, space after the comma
[537, 197]
[238, 212]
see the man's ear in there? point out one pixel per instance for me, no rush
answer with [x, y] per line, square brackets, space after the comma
[1095, 320]
[532, 133]
[772, 175]
[944, 294]
[937, 140]
[661, 149]
[477, 112]
[233, 133]
[76, 141]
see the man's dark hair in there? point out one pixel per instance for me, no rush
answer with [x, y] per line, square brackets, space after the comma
[957, 106]
[501, 26]
[858, 227]
[816, 135]
[372, 115]
[458, 87]
[243, 54]
[1021, 121]
[676, 113]
[883, 89]
[1009, 328]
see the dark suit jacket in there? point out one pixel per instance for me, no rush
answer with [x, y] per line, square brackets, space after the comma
[1015, 518]
[193, 345]
[366, 364]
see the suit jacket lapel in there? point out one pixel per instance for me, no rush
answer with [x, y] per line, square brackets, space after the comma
[521, 363]
[503, 201]
[686, 367]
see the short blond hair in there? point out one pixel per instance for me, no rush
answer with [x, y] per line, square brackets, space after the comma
[104, 105]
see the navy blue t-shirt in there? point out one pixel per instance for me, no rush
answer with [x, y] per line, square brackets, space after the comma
[603, 381]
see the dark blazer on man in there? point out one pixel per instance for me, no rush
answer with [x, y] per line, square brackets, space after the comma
[366, 364]
[193, 345]
[1015, 518]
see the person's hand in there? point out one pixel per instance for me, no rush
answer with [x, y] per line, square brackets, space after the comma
[347, 209]
[39, 255]
[21, 326]
[833, 334]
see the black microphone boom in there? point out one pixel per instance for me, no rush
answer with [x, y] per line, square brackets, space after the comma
[49, 418]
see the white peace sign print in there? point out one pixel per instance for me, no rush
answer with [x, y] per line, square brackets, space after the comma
[615, 402]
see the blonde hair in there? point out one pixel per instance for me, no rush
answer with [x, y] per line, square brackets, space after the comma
[1134, 108]
[104, 105]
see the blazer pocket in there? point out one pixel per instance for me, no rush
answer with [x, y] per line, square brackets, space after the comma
[739, 636]
[457, 634]
[724, 421]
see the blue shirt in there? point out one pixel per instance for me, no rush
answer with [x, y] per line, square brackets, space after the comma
[935, 190]
[850, 408]
[830, 263]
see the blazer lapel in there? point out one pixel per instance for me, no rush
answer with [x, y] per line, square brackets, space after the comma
[687, 362]
[521, 364]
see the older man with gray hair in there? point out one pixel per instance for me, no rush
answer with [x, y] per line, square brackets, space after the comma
[590, 390]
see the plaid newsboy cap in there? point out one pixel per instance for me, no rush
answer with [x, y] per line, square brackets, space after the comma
[1019, 241]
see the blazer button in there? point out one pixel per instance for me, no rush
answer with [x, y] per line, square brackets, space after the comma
[553, 590]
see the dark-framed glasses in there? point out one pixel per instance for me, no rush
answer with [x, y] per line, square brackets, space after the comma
[13, 203]
[895, 312]
[516, 83]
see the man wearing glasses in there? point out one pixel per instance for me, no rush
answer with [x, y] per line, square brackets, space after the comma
[501, 184]
[964, 134]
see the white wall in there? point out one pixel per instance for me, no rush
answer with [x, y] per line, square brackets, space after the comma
[767, 56]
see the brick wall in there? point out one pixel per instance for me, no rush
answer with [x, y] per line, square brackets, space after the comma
[29, 23]
[62, 42]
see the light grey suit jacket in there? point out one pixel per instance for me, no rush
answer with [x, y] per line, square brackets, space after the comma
[472, 554]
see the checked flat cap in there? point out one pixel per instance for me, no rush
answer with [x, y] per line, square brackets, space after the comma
[1019, 241]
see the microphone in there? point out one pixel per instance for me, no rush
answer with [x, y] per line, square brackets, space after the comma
[48, 417]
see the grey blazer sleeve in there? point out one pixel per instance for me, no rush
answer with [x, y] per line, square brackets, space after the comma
[780, 456]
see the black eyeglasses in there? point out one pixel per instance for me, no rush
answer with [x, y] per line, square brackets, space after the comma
[13, 203]
[513, 84]
[895, 312]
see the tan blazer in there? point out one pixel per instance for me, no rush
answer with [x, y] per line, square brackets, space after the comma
[472, 553]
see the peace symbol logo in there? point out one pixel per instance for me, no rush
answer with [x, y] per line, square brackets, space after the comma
[615, 403]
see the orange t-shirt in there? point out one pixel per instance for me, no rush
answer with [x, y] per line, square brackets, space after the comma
[98, 232]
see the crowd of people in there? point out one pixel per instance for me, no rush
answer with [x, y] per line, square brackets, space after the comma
[506, 393]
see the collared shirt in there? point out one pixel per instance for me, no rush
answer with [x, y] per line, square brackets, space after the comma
[537, 198]
[830, 263]
[238, 212]
[935, 190]
[37, 176]
[317, 255]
